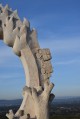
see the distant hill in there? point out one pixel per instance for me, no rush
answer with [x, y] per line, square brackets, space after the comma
[10, 102]
[59, 100]
[67, 100]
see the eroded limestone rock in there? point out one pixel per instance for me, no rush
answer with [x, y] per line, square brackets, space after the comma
[36, 62]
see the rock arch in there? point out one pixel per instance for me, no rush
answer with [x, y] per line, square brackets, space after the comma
[36, 62]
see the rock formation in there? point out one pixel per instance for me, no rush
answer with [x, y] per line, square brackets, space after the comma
[36, 62]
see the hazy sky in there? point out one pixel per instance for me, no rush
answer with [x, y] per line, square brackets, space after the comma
[58, 26]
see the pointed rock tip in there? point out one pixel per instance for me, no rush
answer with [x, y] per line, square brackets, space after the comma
[7, 6]
[15, 14]
[26, 22]
[34, 30]
[15, 11]
[25, 19]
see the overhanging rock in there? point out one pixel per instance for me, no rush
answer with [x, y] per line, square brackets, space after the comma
[36, 62]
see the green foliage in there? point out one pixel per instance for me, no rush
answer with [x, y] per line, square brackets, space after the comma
[3, 117]
[65, 117]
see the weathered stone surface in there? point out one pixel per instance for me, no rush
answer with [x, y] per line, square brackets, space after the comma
[10, 115]
[36, 62]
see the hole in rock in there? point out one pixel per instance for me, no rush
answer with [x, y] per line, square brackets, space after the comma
[12, 78]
